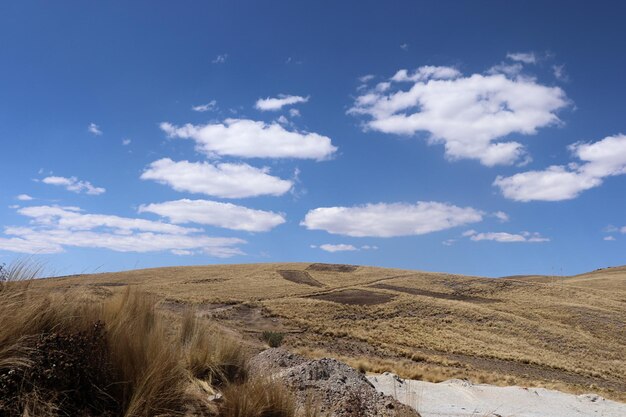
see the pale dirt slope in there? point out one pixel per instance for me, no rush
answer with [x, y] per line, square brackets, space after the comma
[457, 398]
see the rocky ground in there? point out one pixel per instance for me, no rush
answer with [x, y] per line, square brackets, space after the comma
[333, 387]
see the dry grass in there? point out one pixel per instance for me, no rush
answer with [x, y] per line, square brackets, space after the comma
[258, 398]
[607, 279]
[437, 327]
[70, 352]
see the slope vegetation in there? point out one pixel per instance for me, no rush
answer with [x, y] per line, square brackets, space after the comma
[568, 335]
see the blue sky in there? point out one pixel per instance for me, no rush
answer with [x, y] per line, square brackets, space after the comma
[476, 137]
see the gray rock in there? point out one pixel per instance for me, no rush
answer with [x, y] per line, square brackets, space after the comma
[333, 387]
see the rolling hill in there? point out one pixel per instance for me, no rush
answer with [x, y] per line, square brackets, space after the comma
[567, 333]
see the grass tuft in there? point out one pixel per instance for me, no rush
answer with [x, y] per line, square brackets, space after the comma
[70, 353]
[258, 398]
[273, 339]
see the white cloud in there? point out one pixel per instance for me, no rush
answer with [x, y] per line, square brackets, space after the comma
[294, 112]
[425, 73]
[74, 184]
[366, 78]
[126, 142]
[560, 73]
[213, 213]
[220, 59]
[525, 57]
[24, 197]
[404, 46]
[224, 180]
[72, 218]
[504, 237]
[470, 115]
[182, 252]
[501, 216]
[448, 242]
[601, 159]
[210, 106]
[512, 70]
[52, 229]
[277, 103]
[95, 129]
[609, 238]
[369, 247]
[283, 120]
[337, 248]
[389, 220]
[253, 139]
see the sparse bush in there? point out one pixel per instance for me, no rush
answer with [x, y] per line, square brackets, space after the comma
[210, 354]
[70, 354]
[273, 339]
[71, 357]
[257, 398]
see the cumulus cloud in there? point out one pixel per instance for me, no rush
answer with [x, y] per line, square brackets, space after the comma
[212, 213]
[54, 228]
[609, 238]
[126, 142]
[277, 103]
[226, 180]
[210, 106]
[337, 248]
[601, 159]
[24, 197]
[389, 220]
[253, 139]
[470, 115]
[94, 128]
[74, 184]
[72, 218]
[504, 237]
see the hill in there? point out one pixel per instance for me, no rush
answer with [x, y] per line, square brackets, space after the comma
[608, 279]
[421, 325]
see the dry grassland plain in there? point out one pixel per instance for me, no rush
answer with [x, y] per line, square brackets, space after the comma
[566, 333]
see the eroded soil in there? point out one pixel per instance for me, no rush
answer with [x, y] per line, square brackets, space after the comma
[299, 277]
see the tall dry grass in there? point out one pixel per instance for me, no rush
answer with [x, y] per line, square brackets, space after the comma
[68, 354]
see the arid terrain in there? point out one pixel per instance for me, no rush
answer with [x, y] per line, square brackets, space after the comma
[565, 333]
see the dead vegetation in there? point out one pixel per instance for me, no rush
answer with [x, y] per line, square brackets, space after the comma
[71, 353]
[429, 326]
[355, 297]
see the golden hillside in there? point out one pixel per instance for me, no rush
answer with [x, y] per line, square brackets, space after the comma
[567, 334]
[609, 279]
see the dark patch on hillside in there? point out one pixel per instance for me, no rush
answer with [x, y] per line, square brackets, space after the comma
[299, 277]
[332, 267]
[445, 296]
